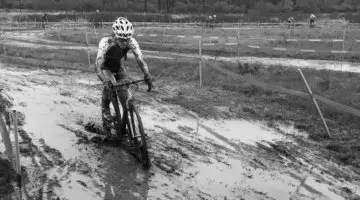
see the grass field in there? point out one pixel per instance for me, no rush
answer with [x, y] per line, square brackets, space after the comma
[295, 40]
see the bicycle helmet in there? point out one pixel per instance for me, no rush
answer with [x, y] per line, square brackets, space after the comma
[123, 28]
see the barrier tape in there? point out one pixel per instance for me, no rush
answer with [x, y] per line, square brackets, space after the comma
[266, 39]
[234, 44]
[304, 50]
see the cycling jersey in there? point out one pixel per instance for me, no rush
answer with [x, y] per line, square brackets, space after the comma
[110, 55]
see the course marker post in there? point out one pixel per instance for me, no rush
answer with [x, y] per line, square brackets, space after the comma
[17, 150]
[238, 43]
[316, 104]
[95, 33]
[86, 37]
[200, 60]
[197, 126]
[343, 47]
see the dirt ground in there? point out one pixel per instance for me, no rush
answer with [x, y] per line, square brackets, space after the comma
[225, 140]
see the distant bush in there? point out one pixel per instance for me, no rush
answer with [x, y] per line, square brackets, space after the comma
[266, 7]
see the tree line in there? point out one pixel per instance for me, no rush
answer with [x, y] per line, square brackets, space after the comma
[189, 6]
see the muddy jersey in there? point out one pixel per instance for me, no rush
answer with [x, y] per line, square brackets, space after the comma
[110, 55]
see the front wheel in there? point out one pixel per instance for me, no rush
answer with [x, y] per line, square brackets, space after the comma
[139, 137]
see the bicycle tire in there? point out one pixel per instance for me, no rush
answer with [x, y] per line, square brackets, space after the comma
[141, 148]
[117, 119]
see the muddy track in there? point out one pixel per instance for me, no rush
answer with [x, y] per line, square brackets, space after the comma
[228, 157]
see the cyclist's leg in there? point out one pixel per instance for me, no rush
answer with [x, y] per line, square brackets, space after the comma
[123, 91]
[105, 104]
[105, 109]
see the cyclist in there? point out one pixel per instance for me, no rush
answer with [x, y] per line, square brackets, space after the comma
[291, 20]
[312, 20]
[110, 64]
[44, 20]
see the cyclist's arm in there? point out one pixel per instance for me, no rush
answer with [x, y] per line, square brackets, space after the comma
[101, 71]
[134, 46]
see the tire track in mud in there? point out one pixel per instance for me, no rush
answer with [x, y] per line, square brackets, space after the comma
[43, 158]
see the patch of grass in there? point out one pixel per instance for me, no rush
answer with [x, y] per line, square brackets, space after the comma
[336, 147]
[248, 37]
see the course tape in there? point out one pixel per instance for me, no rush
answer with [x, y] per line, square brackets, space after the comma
[258, 47]
[266, 86]
[304, 50]
[235, 44]
[266, 39]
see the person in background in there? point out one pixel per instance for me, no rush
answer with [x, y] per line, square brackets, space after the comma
[312, 20]
[44, 20]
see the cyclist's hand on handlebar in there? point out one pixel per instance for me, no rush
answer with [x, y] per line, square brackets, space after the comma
[149, 79]
[108, 85]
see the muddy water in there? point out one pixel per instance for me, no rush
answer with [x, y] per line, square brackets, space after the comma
[46, 107]
[244, 131]
[234, 178]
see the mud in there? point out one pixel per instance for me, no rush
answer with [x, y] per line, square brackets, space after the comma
[7, 176]
[208, 143]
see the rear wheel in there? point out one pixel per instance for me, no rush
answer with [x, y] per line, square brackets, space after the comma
[138, 136]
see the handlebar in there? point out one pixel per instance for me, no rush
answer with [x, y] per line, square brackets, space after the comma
[150, 85]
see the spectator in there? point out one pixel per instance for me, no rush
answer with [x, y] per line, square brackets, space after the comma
[312, 20]
[44, 21]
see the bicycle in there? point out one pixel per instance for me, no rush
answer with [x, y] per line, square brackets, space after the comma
[129, 121]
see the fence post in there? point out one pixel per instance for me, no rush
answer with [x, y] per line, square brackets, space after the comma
[6, 138]
[200, 61]
[18, 168]
[316, 104]
[197, 126]
[86, 37]
[57, 31]
[88, 52]
[16, 141]
[95, 33]
[343, 48]
[238, 43]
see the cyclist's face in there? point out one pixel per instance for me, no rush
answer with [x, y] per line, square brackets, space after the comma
[122, 42]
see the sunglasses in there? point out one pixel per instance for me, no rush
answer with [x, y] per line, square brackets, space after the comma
[123, 40]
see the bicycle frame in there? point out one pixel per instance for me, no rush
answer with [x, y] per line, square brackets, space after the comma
[127, 106]
[135, 129]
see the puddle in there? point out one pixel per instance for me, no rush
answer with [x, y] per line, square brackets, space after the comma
[233, 179]
[229, 180]
[78, 186]
[244, 131]
[43, 117]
